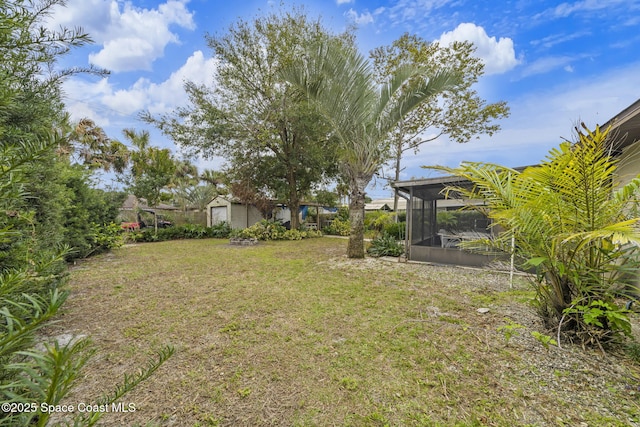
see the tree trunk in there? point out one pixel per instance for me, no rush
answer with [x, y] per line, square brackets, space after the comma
[355, 249]
[294, 207]
[397, 178]
[294, 200]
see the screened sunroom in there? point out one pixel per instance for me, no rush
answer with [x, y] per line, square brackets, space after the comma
[436, 226]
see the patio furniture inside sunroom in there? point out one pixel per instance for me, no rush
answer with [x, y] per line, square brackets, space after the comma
[437, 225]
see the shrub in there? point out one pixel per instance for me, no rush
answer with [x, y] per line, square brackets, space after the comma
[396, 229]
[385, 245]
[263, 230]
[376, 220]
[186, 231]
[573, 224]
[269, 230]
[343, 213]
[106, 237]
[338, 227]
[294, 235]
[221, 230]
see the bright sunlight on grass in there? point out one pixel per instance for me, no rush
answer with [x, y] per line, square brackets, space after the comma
[294, 333]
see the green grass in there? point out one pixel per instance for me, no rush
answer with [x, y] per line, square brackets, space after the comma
[293, 333]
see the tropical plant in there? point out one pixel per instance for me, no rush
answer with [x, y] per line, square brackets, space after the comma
[396, 229]
[360, 113]
[385, 245]
[87, 143]
[338, 227]
[37, 200]
[152, 168]
[573, 223]
[446, 220]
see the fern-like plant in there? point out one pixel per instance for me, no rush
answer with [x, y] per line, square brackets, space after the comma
[572, 222]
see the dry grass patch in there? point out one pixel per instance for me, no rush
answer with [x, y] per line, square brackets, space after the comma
[293, 333]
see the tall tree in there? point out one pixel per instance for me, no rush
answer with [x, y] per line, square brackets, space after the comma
[459, 114]
[360, 113]
[86, 143]
[184, 179]
[272, 140]
[30, 108]
[152, 168]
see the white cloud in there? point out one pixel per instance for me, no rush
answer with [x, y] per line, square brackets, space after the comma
[539, 121]
[131, 37]
[84, 99]
[547, 64]
[339, 2]
[554, 39]
[169, 94]
[566, 9]
[414, 10]
[363, 18]
[497, 55]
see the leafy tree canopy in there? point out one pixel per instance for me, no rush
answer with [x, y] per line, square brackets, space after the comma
[273, 141]
[461, 115]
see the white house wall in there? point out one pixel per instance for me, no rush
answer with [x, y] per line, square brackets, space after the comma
[629, 166]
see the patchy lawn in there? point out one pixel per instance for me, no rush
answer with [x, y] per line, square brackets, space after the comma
[293, 333]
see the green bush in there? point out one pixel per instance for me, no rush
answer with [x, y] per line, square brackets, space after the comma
[343, 213]
[220, 231]
[376, 220]
[294, 235]
[263, 230]
[269, 230]
[396, 229]
[186, 231]
[338, 227]
[106, 237]
[385, 245]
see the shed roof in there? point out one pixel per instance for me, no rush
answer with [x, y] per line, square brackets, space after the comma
[132, 202]
[378, 204]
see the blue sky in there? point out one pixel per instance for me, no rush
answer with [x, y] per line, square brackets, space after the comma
[554, 63]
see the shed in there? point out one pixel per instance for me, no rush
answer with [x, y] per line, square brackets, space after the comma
[238, 215]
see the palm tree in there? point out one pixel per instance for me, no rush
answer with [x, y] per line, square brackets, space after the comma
[360, 113]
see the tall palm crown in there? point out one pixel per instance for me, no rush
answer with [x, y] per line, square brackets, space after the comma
[361, 114]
